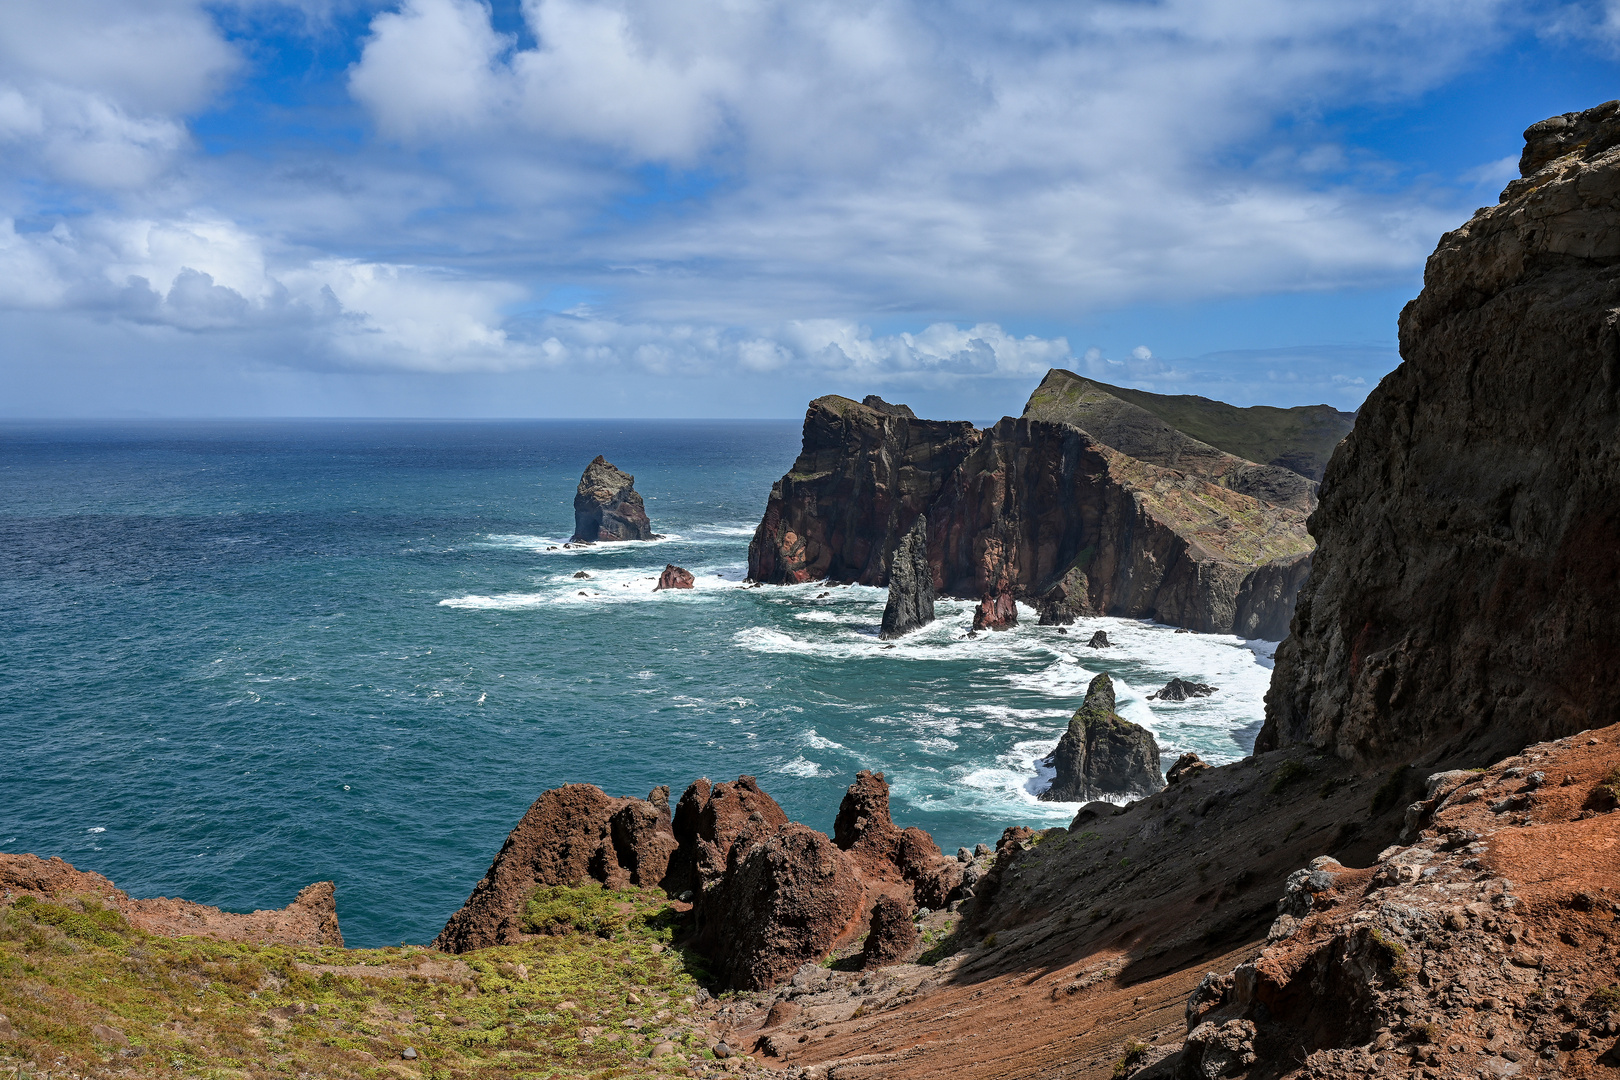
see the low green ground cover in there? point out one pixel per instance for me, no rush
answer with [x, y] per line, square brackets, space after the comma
[83, 993]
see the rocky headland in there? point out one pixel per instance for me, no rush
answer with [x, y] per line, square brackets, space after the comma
[607, 507]
[1040, 511]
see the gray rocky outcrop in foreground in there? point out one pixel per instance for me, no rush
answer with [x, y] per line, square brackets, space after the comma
[607, 506]
[911, 585]
[1103, 754]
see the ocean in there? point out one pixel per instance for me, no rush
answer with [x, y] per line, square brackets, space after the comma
[238, 657]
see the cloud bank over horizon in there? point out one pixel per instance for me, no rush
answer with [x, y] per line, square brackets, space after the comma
[752, 196]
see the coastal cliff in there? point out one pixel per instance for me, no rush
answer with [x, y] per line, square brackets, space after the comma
[1027, 510]
[1466, 589]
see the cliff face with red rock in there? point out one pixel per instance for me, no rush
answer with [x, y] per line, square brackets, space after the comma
[1025, 510]
[1466, 589]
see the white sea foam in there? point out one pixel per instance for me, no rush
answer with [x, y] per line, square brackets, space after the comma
[800, 766]
[817, 742]
[95, 829]
[560, 545]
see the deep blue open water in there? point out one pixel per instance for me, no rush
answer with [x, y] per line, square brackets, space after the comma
[239, 657]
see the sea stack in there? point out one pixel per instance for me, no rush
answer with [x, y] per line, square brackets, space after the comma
[911, 584]
[607, 506]
[1103, 754]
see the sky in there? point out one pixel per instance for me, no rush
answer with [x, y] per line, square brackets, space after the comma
[722, 208]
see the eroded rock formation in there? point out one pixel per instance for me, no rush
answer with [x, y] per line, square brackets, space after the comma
[1467, 583]
[1181, 690]
[674, 577]
[768, 895]
[310, 920]
[911, 585]
[607, 506]
[1025, 510]
[1102, 754]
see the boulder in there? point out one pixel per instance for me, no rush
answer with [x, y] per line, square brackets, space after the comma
[786, 899]
[1099, 640]
[607, 506]
[996, 611]
[1188, 764]
[674, 577]
[1181, 690]
[1103, 754]
[911, 584]
[893, 937]
[570, 835]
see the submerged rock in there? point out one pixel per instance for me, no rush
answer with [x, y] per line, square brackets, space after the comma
[911, 584]
[1102, 753]
[607, 506]
[674, 577]
[1181, 690]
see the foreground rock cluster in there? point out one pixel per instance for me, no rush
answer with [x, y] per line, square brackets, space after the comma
[768, 894]
[1041, 511]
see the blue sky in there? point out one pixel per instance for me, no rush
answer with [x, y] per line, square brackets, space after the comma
[725, 207]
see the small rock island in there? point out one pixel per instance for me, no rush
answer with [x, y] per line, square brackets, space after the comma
[607, 507]
[1102, 753]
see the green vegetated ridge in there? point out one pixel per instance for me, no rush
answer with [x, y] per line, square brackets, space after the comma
[1301, 438]
[83, 992]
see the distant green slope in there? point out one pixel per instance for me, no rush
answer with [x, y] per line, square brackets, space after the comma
[1301, 438]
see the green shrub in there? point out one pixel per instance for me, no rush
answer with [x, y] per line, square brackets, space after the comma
[96, 924]
[1291, 772]
[563, 909]
[1133, 1055]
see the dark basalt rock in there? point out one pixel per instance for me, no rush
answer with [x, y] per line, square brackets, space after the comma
[1265, 600]
[607, 506]
[1099, 640]
[1024, 510]
[674, 577]
[911, 585]
[1181, 690]
[1467, 582]
[872, 401]
[1103, 754]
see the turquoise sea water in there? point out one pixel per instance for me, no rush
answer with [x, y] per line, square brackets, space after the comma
[240, 657]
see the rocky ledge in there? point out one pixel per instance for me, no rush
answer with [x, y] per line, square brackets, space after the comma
[607, 506]
[311, 919]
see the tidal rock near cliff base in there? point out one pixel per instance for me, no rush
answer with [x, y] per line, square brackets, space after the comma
[1066, 601]
[674, 577]
[1181, 690]
[1188, 764]
[1103, 754]
[607, 506]
[911, 585]
[996, 612]
[893, 937]
[570, 834]
[1099, 640]
[785, 900]
[1467, 580]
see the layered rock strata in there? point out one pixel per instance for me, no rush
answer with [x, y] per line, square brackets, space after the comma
[607, 506]
[310, 920]
[1026, 510]
[1066, 398]
[1467, 582]
[911, 585]
[1102, 754]
[768, 895]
